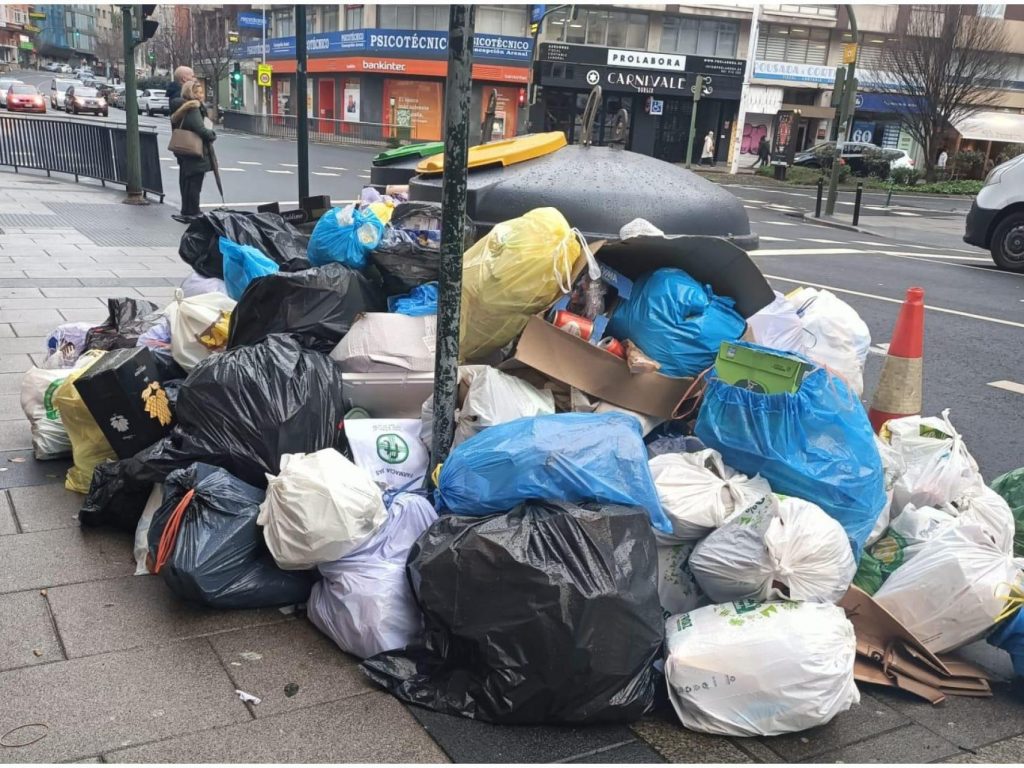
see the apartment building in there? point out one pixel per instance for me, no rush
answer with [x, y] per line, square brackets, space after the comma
[68, 33]
[16, 33]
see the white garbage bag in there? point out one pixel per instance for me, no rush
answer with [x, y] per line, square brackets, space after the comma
[952, 590]
[789, 550]
[364, 602]
[320, 508]
[199, 326]
[980, 505]
[760, 669]
[195, 284]
[938, 466]
[780, 327]
[390, 450]
[678, 591]
[49, 437]
[837, 337]
[141, 548]
[698, 492]
[386, 341]
[65, 344]
[893, 468]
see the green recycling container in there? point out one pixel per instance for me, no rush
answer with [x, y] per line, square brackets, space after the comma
[398, 165]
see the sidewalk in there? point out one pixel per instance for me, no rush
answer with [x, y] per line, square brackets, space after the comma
[115, 669]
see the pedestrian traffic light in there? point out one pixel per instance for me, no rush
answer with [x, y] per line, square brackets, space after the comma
[147, 26]
[237, 91]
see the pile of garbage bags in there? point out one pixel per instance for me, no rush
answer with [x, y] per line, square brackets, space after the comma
[629, 505]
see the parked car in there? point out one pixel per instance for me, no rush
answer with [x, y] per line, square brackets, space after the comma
[65, 69]
[25, 98]
[996, 218]
[82, 98]
[83, 73]
[899, 158]
[58, 87]
[819, 155]
[5, 84]
[52, 66]
[152, 101]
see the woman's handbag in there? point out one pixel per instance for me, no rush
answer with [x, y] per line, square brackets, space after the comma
[185, 143]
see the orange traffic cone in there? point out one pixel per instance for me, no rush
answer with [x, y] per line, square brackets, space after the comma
[899, 388]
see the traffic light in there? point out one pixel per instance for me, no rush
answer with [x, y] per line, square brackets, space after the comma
[522, 97]
[237, 91]
[147, 26]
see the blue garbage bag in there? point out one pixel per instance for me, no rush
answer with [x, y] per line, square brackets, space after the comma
[1009, 636]
[421, 300]
[816, 444]
[242, 265]
[573, 457]
[677, 321]
[345, 235]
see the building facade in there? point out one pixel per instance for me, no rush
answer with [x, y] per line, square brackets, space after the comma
[68, 32]
[16, 36]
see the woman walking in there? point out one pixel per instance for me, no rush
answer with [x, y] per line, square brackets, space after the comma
[192, 167]
[707, 155]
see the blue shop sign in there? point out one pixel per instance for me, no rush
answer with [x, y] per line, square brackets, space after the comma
[884, 102]
[251, 20]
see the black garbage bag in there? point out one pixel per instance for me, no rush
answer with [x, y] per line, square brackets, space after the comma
[128, 319]
[317, 306]
[409, 253]
[243, 408]
[199, 247]
[117, 496]
[219, 557]
[545, 614]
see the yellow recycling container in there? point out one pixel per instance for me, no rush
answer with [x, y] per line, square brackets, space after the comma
[504, 153]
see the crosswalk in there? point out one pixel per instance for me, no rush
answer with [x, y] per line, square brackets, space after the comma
[281, 169]
[779, 246]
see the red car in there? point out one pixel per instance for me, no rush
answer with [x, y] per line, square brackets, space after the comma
[25, 98]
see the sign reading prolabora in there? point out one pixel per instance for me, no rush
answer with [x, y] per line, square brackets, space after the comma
[667, 62]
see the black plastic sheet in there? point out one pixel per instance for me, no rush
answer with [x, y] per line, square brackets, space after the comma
[317, 306]
[219, 557]
[127, 320]
[117, 495]
[545, 614]
[269, 232]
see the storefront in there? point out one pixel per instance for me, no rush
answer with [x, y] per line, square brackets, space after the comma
[876, 120]
[655, 89]
[380, 81]
[803, 87]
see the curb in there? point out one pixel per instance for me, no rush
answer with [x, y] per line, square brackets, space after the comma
[834, 223]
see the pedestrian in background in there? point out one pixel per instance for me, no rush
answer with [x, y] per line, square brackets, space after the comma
[942, 160]
[707, 155]
[182, 75]
[191, 116]
[762, 153]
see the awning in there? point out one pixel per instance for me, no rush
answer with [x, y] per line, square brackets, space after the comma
[992, 126]
[813, 111]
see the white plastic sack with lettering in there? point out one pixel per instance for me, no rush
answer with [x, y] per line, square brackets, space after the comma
[49, 437]
[952, 590]
[836, 336]
[318, 509]
[199, 326]
[364, 602]
[790, 550]
[678, 591]
[389, 450]
[760, 669]
[385, 341]
[939, 468]
[698, 492]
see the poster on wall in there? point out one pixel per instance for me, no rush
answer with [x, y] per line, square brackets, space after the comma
[416, 103]
[350, 112]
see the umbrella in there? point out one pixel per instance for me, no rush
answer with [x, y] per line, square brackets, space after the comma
[216, 174]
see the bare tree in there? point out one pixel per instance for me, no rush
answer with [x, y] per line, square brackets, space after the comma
[172, 45]
[211, 52]
[110, 43]
[943, 64]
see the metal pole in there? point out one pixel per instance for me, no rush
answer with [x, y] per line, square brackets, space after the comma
[748, 71]
[845, 112]
[133, 165]
[697, 87]
[301, 87]
[817, 202]
[263, 92]
[856, 202]
[453, 214]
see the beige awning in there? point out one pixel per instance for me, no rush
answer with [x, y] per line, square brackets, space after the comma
[813, 111]
[992, 126]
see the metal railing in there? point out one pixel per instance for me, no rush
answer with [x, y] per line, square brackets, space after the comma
[78, 147]
[322, 130]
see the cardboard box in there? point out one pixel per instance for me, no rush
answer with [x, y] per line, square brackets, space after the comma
[767, 372]
[387, 395]
[561, 356]
[123, 393]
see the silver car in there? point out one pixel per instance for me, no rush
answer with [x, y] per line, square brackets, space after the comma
[58, 88]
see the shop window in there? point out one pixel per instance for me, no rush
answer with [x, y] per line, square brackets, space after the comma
[992, 11]
[501, 20]
[422, 17]
[353, 17]
[704, 37]
[598, 26]
[799, 45]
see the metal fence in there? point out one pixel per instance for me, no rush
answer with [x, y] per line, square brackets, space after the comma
[321, 130]
[78, 147]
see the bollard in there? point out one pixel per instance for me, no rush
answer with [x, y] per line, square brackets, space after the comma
[856, 202]
[817, 203]
[888, 197]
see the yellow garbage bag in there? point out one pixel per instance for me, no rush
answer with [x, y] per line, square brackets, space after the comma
[521, 267]
[382, 211]
[89, 447]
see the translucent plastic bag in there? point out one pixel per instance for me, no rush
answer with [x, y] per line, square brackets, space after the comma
[65, 344]
[760, 669]
[195, 284]
[699, 492]
[199, 326]
[242, 265]
[494, 397]
[518, 269]
[421, 300]
[88, 444]
[815, 444]
[49, 437]
[345, 235]
[839, 339]
[778, 326]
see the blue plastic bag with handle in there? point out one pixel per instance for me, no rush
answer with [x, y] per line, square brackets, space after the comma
[573, 457]
[816, 444]
[421, 300]
[345, 235]
[677, 321]
[242, 265]
[1009, 636]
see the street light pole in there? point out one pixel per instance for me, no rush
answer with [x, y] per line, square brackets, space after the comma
[133, 166]
[301, 96]
[846, 109]
[741, 116]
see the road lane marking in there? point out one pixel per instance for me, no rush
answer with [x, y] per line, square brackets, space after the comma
[905, 213]
[930, 307]
[289, 165]
[322, 173]
[335, 168]
[750, 207]
[272, 170]
[1009, 386]
[770, 239]
[172, 167]
[822, 240]
[916, 255]
[804, 251]
[236, 170]
[780, 223]
[248, 162]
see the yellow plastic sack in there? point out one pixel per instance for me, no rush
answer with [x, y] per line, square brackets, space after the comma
[89, 447]
[382, 211]
[521, 267]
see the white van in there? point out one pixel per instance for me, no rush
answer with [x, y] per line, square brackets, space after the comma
[996, 218]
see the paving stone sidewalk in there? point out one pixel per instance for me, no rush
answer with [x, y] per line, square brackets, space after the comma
[105, 666]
